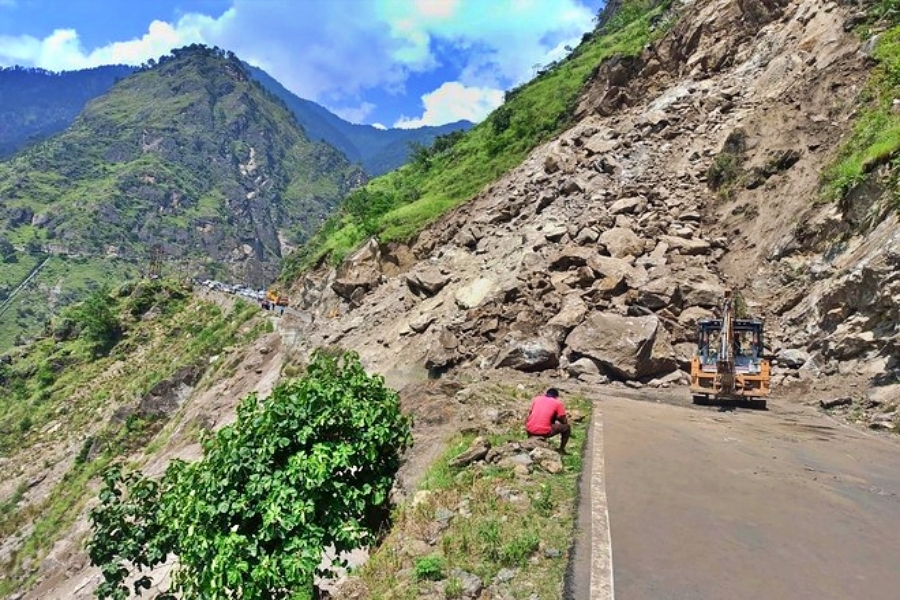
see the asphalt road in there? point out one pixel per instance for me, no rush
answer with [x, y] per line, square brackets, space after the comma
[706, 505]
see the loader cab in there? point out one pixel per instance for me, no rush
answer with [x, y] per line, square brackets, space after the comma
[746, 344]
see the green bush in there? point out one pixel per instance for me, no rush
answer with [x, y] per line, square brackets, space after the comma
[429, 568]
[308, 468]
[99, 327]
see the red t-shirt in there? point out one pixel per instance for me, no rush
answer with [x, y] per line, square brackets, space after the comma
[543, 411]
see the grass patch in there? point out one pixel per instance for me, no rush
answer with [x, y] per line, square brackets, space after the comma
[511, 530]
[875, 139]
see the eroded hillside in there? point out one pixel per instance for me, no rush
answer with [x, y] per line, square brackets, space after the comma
[693, 167]
[595, 258]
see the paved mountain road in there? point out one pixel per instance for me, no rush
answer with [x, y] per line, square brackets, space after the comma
[709, 505]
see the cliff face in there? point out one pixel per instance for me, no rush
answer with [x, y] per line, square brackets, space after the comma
[694, 167]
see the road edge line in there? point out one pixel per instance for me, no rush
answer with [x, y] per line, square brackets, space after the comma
[602, 584]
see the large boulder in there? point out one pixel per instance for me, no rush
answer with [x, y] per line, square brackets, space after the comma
[360, 273]
[443, 352]
[700, 287]
[629, 347]
[688, 246]
[571, 257]
[616, 268]
[621, 242]
[689, 317]
[630, 205]
[570, 313]
[529, 355]
[473, 294]
[428, 281]
[354, 285]
[659, 294]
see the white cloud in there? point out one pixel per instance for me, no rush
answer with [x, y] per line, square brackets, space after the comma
[355, 114]
[452, 102]
[63, 50]
[333, 51]
[502, 39]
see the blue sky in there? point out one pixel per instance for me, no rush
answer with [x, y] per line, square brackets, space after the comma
[383, 62]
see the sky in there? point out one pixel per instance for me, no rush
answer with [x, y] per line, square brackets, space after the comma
[388, 63]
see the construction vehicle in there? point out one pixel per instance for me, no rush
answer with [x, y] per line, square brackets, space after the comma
[729, 364]
[274, 298]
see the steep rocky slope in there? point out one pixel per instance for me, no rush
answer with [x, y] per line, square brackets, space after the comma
[596, 257]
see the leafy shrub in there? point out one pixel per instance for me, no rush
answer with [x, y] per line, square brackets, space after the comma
[429, 568]
[98, 324]
[309, 467]
[724, 170]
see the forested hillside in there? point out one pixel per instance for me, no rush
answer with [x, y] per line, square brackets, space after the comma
[35, 104]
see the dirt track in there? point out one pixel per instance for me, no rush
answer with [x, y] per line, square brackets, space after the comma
[706, 504]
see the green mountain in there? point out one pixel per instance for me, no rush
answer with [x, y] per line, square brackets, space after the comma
[377, 150]
[191, 156]
[35, 104]
[190, 161]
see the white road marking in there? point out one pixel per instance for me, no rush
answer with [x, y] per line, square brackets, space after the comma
[602, 587]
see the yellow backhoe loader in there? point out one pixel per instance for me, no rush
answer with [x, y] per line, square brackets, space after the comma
[729, 364]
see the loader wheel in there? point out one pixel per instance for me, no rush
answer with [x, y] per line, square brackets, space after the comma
[701, 400]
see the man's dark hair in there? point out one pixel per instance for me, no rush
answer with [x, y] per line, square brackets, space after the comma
[553, 393]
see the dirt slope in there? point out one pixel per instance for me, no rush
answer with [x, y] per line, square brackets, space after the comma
[617, 217]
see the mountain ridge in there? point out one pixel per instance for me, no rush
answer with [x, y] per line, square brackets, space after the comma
[377, 150]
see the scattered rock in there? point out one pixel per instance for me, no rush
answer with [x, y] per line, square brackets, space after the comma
[478, 449]
[792, 358]
[835, 402]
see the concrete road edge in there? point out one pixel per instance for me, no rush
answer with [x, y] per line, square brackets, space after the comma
[589, 573]
[602, 585]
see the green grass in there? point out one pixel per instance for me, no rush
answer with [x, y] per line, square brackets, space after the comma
[398, 205]
[529, 529]
[875, 140]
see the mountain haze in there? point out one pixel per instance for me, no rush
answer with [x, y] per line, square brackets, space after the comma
[377, 150]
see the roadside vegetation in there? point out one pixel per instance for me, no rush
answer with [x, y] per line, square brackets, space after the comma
[874, 144]
[398, 205]
[507, 524]
[62, 281]
[70, 400]
[308, 468]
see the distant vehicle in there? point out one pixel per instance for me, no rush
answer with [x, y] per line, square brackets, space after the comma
[276, 297]
[729, 363]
